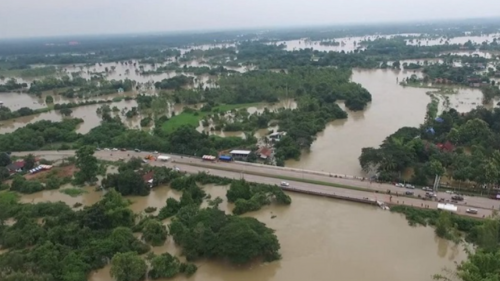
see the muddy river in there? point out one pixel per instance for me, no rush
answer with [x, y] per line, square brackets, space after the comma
[312, 245]
[338, 147]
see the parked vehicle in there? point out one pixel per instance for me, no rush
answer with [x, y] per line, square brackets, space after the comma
[430, 195]
[426, 188]
[137, 150]
[496, 197]
[399, 185]
[410, 186]
[284, 184]
[457, 198]
[471, 211]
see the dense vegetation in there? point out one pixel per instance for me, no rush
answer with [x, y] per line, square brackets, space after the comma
[464, 147]
[6, 113]
[69, 244]
[316, 91]
[249, 197]
[213, 234]
[39, 134]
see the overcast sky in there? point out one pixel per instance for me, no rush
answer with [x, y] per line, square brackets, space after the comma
[27, 18]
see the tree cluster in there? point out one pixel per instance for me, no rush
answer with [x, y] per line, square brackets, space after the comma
[36, 135]
[69, 244]
[465, 147]
[249, 197]
[210, 233]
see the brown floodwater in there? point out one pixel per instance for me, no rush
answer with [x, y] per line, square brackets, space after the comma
[347, 44]
[321, 238]
[87, 113]
[456, 40]
[15, 101]
[88, 198]
[338, 147]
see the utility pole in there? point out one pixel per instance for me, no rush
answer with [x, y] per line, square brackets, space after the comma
[437, 179]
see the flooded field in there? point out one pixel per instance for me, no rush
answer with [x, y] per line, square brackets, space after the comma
[311, 245]
[87, 113]
[456, 40]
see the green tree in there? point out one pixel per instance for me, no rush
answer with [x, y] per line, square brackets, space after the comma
[188, 268]
[436, 168]
[164, 266]
[49, 99]
[127, 182]
[172, 207]
[128, 267]
[480, 266]
[4, 173]
[29, 162]
[4, 159]
[66, 111]
[154, 232]
[474, 131]
[87, 165]
[488, 235]
[238, 190]
[443, 224]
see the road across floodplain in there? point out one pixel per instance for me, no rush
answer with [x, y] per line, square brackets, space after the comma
[310, 182]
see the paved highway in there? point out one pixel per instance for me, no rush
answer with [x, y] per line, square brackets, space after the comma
[266, 174]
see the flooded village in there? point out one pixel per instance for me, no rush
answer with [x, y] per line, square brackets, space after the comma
[240, 123]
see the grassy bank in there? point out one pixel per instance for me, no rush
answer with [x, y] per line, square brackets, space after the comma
[194, 118]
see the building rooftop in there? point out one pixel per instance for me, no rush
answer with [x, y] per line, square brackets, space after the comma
[240, 152]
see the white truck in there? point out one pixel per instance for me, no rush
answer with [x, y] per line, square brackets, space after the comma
[163, 158]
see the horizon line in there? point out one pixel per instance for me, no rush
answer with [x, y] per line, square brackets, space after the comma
[267, 28]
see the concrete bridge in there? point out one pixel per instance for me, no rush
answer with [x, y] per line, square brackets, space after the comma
[302, 181]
